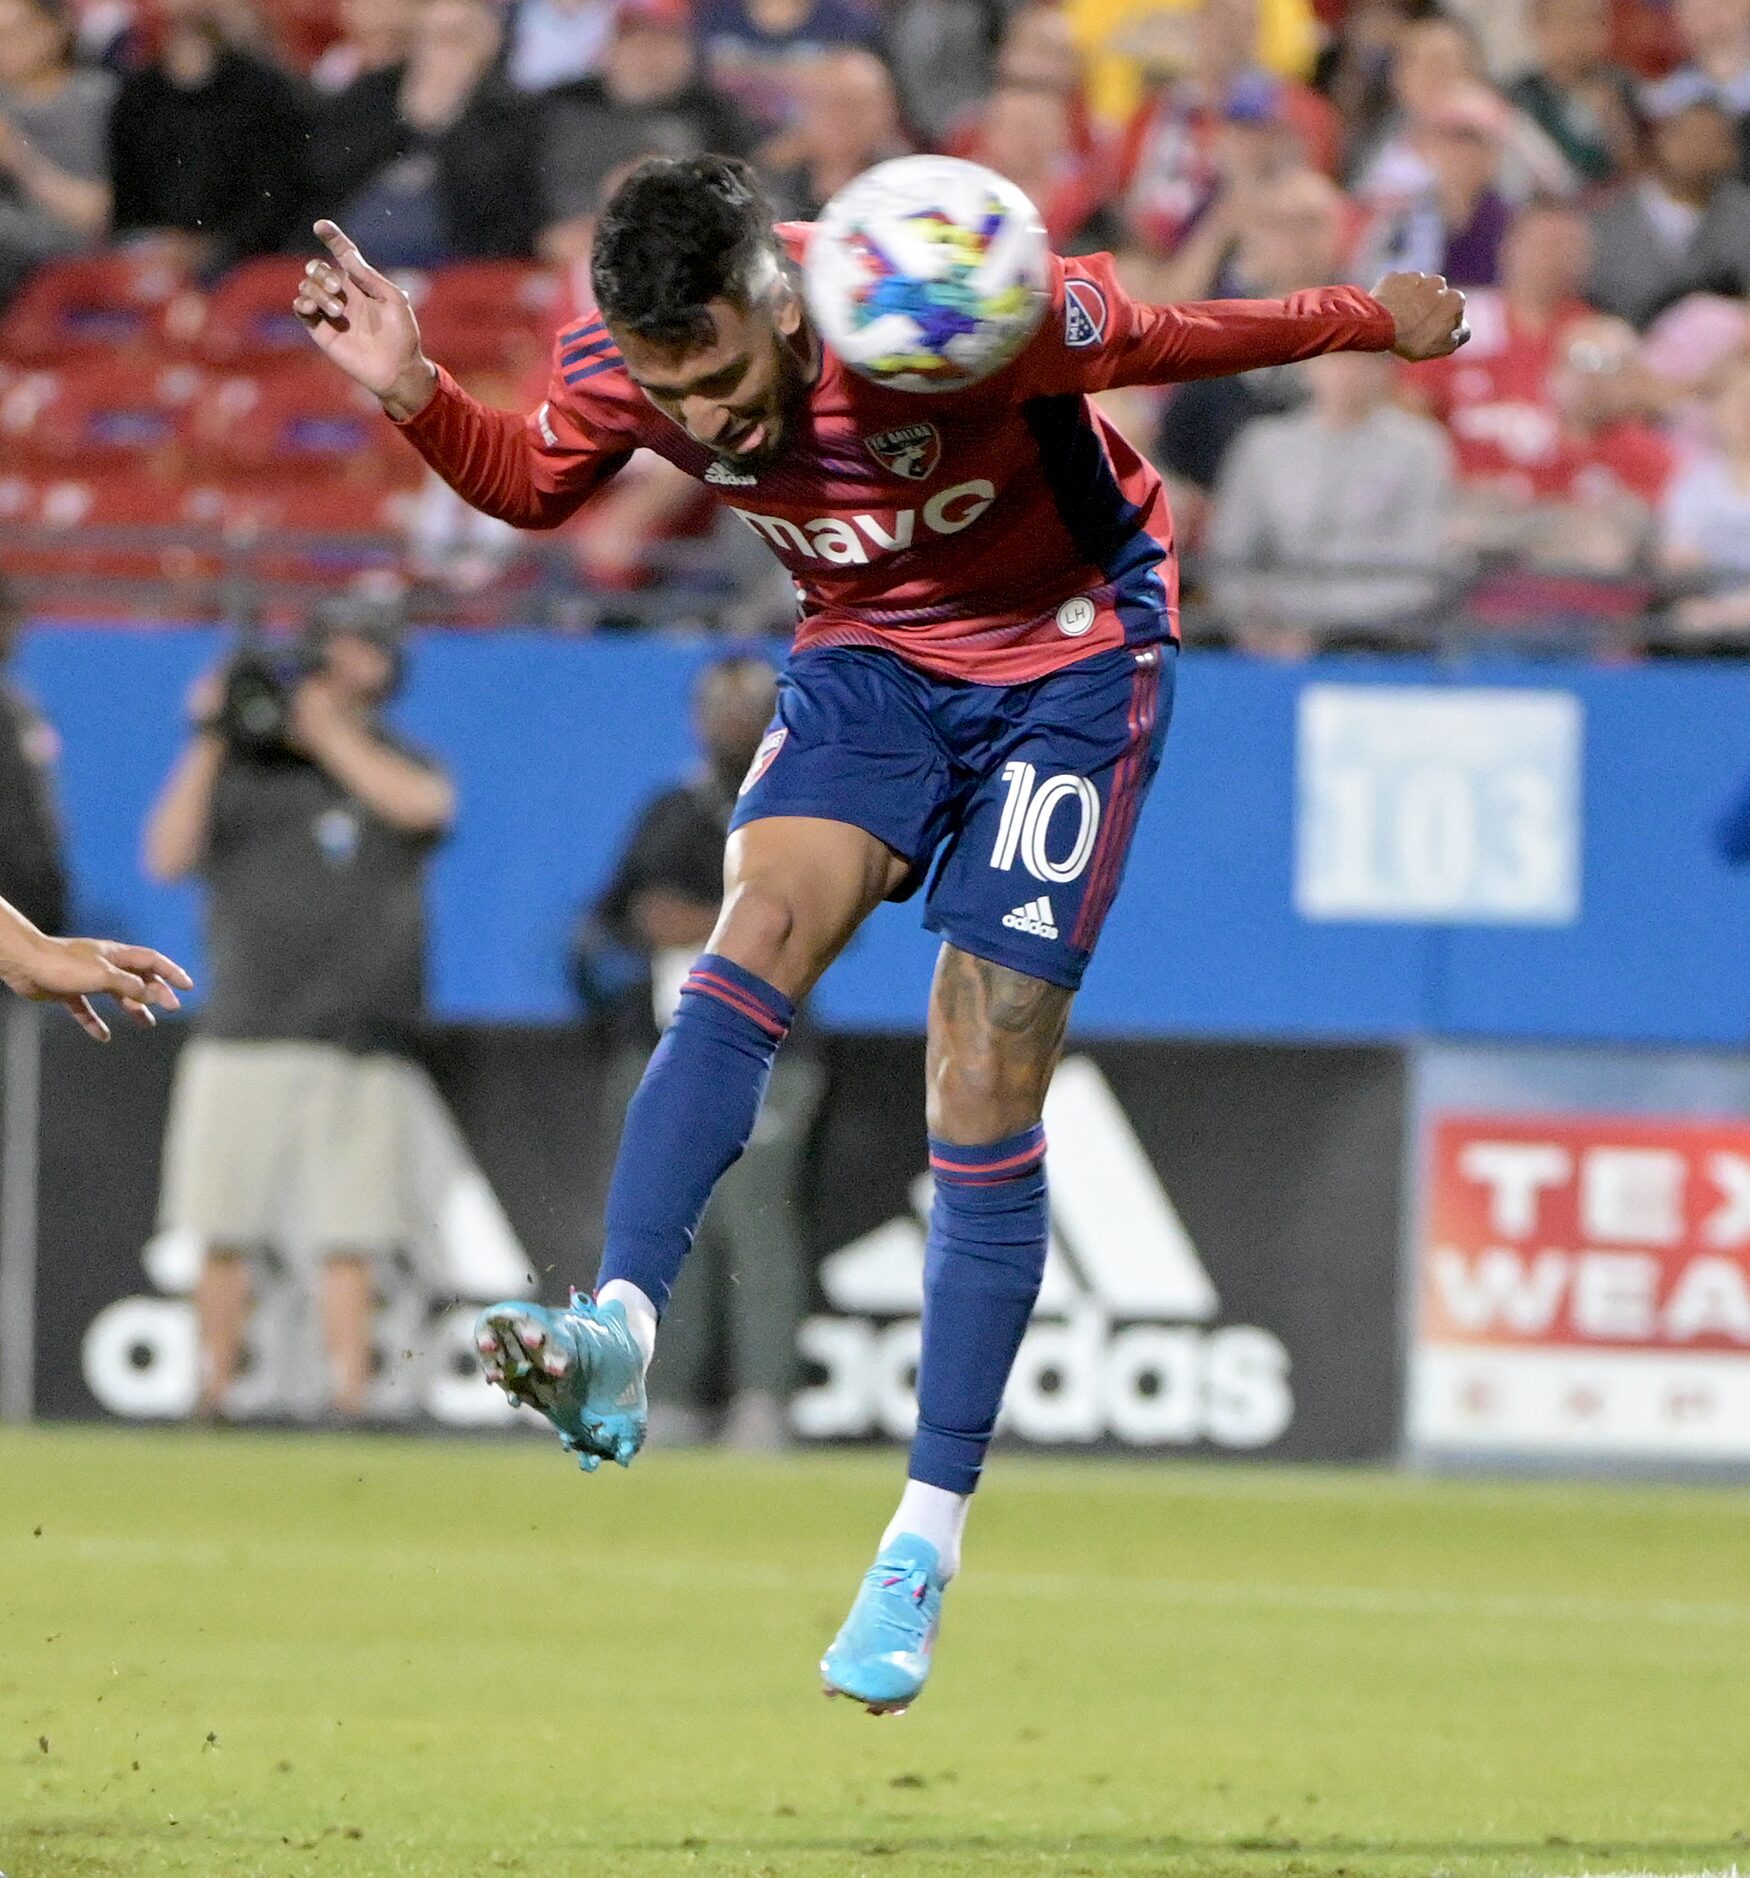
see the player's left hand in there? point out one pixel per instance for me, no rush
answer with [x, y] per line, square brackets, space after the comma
[1429, 314]
[73, 971]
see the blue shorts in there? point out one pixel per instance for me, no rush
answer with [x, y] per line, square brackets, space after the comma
[1023, 797]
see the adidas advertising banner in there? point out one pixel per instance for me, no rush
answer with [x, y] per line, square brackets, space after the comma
[1222, 1278]
[1582, 1261]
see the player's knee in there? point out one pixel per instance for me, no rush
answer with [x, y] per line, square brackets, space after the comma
[758, 930]
[979, 1093]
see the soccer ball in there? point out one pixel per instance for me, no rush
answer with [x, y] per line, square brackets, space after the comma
[927, 273]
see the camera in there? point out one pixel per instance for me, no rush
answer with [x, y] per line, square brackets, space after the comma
[255, 715]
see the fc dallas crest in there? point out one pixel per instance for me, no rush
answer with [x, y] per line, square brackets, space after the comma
[911, 451]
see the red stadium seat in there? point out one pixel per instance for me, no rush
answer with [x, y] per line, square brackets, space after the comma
[92, 417]
[113, 527]
[316, 533]
[98, 303]
[247, 320]
[486, 316]
[302, 422]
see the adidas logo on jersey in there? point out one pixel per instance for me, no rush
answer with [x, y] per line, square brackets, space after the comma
[717, 471]
[1036, 917]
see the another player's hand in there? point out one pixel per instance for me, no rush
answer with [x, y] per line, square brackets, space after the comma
[73, 971]
[1429, 314]
[365, 324]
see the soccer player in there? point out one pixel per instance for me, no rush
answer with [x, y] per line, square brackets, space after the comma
[977, 696]
[74, 971]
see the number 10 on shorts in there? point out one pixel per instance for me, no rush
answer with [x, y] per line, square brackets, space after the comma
[1026, 830]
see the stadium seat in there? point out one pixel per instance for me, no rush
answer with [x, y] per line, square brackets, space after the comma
[98, 303]
[90, 417]
[247, 319]
[111, 527]
[315, 533]
[287, 426]
[486, 316]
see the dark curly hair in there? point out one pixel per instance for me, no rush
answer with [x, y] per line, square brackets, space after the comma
[677, 234]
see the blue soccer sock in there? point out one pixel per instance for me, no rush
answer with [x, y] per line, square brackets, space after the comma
[982, 1269]
[689, 1121]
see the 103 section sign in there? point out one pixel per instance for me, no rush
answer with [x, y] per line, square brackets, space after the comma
[1584, 1288]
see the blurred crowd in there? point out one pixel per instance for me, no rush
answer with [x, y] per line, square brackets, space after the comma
[1581, 167]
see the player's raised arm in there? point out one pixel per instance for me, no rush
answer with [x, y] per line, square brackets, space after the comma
[1098, 337]
[505, 465]
[73, 971]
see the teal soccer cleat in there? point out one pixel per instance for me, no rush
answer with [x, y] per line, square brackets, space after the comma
[881, 1657]
[580, 1367]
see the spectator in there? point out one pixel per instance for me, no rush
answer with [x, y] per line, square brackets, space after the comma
[1586, 502]
[1683, 227]
[33, 874]
[292, 1116]
[374, 37]
[1025, 133]
[850, 119]
[1293, 233]
[647, 100]
[54, 138]
[1452, 217]
[941, 52]
[1355, 70]
[1716, 40]
[557, 42]
[207, 146]
[1575, 93]
[1434, 61]
[1128, 42]
[1224, 119]
[756, 51]
[745, 1281]
[1495, 397]
[1705, 527]
[1036, 53]
[433, 160]
[1331, 519]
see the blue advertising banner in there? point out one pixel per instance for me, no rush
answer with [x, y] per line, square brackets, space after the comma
[1357, 848]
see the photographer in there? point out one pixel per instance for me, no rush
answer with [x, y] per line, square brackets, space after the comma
[311, 826]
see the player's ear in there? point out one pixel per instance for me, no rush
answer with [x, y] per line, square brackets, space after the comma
[787, 308]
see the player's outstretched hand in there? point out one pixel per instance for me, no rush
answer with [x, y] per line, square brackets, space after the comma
[74, 971]
[365, 324]
[1429, 314]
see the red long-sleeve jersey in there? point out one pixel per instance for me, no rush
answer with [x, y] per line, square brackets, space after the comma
[993, 534]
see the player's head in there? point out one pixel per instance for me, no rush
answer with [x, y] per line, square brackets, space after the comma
[701, 301]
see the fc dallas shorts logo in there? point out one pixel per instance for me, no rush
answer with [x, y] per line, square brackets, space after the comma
[763, 758]
[911, 451]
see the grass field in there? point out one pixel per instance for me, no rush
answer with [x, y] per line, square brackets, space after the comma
[230, 1655]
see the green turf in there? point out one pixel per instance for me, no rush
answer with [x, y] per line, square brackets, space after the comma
[225, 1656]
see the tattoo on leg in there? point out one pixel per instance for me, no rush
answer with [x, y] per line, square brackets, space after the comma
[979, 1005]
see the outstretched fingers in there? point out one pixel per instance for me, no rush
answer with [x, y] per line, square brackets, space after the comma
[87, 1018]
[352, 264]
[144, 961]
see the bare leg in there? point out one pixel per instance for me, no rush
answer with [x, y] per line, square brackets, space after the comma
[347, 1297]
[995, 1037]
[221, 1309]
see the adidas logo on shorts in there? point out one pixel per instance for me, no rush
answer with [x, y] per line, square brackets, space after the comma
[1036, 917]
